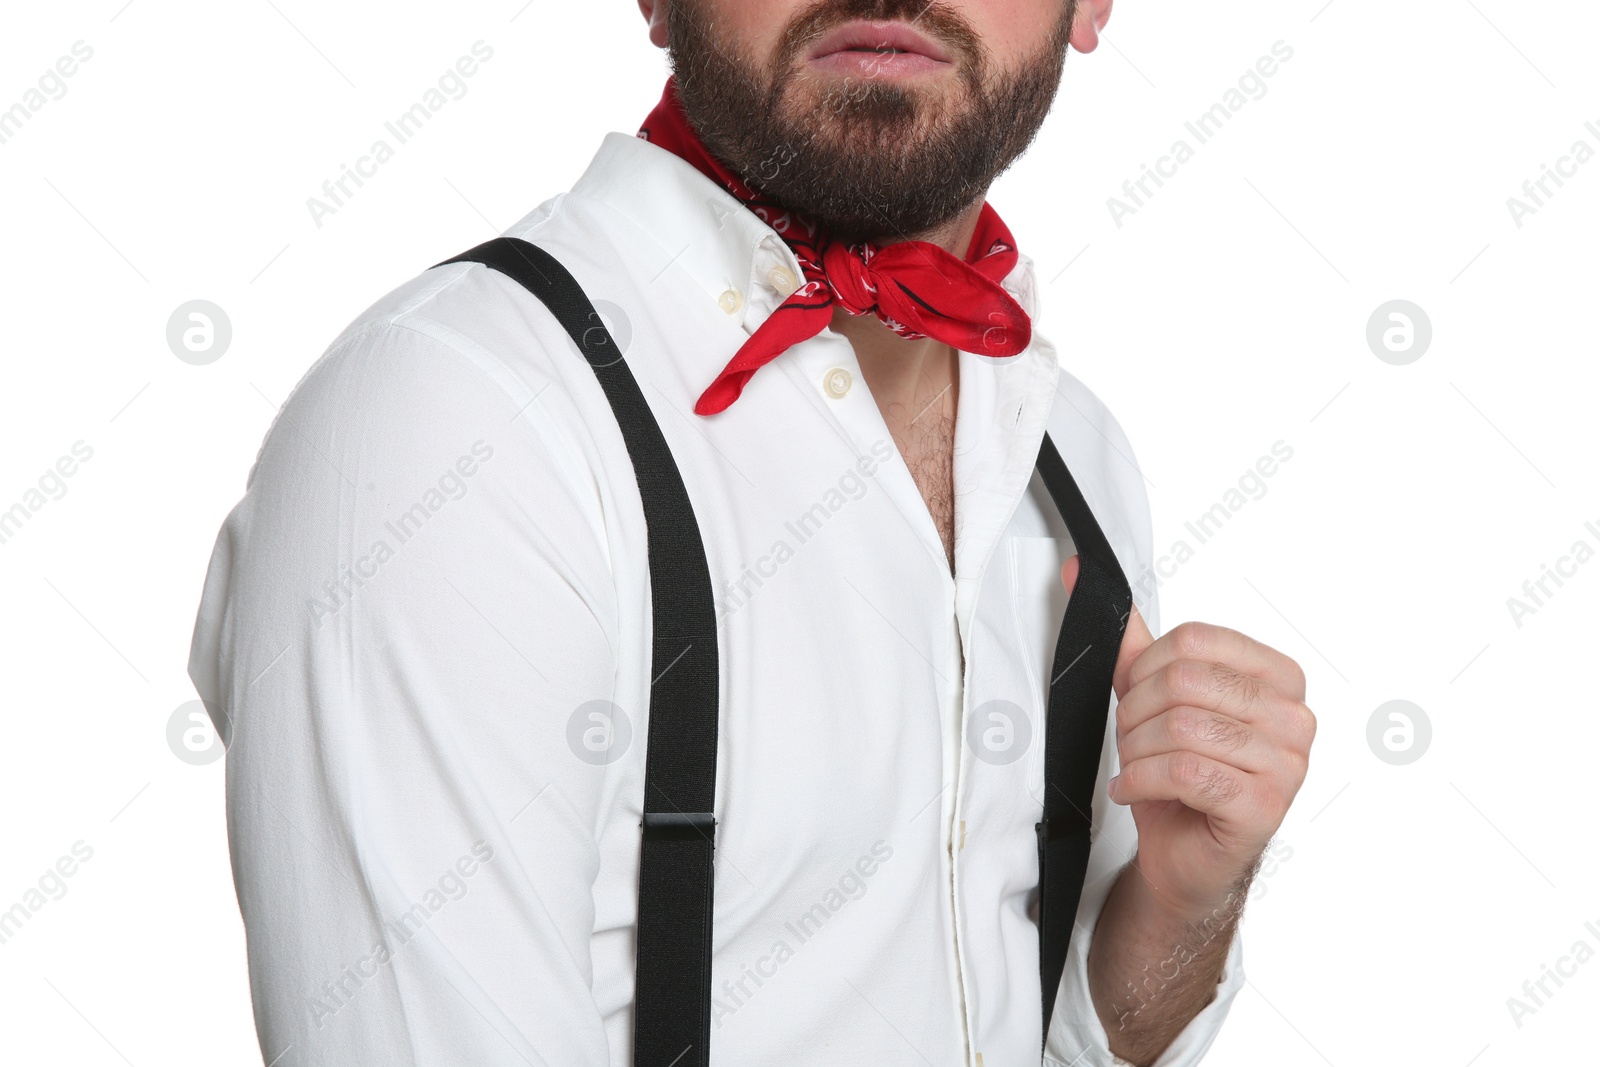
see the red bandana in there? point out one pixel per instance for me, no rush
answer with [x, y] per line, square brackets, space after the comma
[916, 288]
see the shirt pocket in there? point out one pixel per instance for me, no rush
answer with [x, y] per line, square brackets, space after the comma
[1038, 602]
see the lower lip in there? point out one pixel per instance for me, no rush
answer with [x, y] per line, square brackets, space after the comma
[878, 64]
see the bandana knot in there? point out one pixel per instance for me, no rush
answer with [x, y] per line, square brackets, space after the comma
[915, 288]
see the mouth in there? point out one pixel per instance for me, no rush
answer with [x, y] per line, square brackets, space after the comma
[869, 48]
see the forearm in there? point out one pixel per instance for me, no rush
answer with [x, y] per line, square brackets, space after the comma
[1153, 966]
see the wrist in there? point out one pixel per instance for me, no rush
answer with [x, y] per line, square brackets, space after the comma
[1194, 906]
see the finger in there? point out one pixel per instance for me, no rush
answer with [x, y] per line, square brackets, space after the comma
[1196, 781]
[1204, 641]
[1207, 733]
[1069, 572]
[1209, 686]
[1136, 643]
[1135, 639]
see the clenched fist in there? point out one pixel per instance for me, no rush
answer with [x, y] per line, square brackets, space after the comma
[1213, 737]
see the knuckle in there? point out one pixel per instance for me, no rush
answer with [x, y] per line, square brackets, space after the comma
[1202, 779]
[1124, 716]
[1187, 769]
[1217, 785]
[1302, 725]
[1297, 678]
[1192, 638]
[1227, 680]
[1183, 677]
[1224, 733]
[1182, 724]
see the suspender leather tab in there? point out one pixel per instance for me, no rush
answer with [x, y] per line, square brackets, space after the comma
[1061, 826]
[679, 826]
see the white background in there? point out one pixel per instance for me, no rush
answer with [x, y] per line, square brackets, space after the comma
[1228, 313]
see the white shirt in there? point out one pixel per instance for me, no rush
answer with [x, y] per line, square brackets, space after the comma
[434, 597]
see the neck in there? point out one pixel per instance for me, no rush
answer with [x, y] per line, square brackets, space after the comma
[913, 381]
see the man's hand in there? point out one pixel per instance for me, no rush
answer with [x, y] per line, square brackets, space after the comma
[1213, 737]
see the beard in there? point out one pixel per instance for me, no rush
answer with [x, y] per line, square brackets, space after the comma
[864, 158]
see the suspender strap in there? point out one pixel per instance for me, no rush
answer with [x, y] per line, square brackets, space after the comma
[672, 1007]
[1080, 692]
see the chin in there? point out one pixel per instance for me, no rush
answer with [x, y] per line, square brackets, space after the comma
[839, 107]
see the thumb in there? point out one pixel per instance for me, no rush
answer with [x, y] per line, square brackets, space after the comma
[1135, 639]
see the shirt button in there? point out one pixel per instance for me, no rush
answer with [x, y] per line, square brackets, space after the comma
[836, 383]
[783, 280]
[730, 301]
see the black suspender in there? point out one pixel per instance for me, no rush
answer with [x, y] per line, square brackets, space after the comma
[672, 1008]
[1080, 694]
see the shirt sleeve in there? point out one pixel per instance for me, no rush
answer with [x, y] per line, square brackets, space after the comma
[1076, 1037]
[1076, 1033]
[401, 626]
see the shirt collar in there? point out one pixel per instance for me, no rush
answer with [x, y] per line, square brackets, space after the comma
[701, 228]
[697, 227]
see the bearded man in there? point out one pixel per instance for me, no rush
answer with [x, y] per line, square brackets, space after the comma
[693, 628]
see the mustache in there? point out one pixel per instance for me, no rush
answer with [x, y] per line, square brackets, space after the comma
[935, 19]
